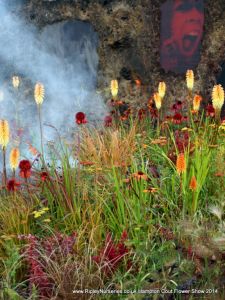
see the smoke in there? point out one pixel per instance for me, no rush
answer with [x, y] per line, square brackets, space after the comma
[64, 58]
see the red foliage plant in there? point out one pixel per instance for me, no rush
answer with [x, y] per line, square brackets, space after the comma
[25, 168]
[112, 254]
[37, 253]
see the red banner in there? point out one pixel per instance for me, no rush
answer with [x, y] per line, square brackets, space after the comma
[181, 33]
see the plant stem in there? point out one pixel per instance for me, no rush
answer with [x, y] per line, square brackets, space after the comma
[158, 124]
[41, 131]
[193, 202]
[217, 116]
[4, 166]
[78, 154]
[28, 189]
[181, 205]
[189, 105]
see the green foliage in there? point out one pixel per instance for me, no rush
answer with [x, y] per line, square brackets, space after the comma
[124, 179]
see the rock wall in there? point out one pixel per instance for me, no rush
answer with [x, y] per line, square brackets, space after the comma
[129, 34]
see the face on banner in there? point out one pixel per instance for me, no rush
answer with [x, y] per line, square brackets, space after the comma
[181, 33]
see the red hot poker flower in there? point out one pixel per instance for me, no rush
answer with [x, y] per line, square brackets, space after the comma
[12, 185]
[80, 118]
[25, 168]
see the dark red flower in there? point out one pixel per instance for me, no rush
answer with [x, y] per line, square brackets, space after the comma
[177, 106]
[210, 111]
[80, 118]
[174, 107]
[44, 176]
[108, 121]
[12, 185]
[25, 168]
[177, 118]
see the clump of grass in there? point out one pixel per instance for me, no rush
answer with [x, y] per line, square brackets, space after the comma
[111, 148]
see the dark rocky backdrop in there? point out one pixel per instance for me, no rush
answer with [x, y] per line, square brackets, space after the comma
[129, 41]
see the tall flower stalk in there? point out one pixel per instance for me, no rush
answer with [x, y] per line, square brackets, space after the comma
[181, 167]
[4, 140]
[16, 84]
[39, 92]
